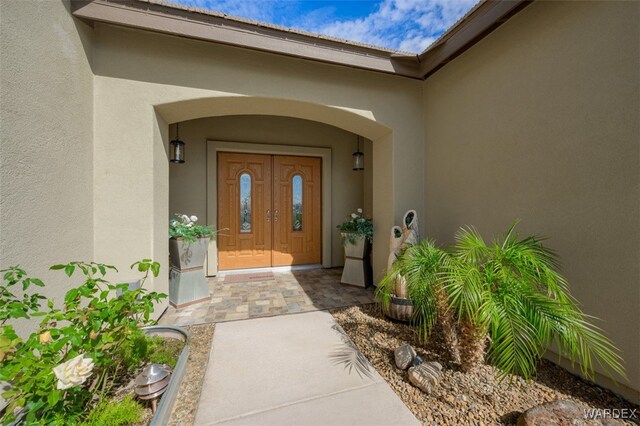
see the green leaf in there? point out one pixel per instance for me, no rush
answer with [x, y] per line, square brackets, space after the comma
[155, 268]
[69, 269]
[53, 397]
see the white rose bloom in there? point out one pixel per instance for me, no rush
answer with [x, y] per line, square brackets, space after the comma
[194, 218]
[189, 225]
[73, 372]
[353, 215]
[359, 210]
[185, 218]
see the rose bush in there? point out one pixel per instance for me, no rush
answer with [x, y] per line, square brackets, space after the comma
[70, 363]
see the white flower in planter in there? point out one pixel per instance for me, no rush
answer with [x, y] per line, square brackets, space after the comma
[194, 218]
[353, 215]
[73, 372]
[185, 218]
[359, 210]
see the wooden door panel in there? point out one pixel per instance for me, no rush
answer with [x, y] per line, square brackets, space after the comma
[296, 246]
[250, 247]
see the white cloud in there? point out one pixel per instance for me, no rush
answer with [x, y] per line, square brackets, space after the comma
[408, 25]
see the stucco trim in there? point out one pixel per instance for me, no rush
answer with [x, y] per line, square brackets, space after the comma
[213, 147]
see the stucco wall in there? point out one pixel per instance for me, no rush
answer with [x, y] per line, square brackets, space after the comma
[539, 121]
[188, 181]
[46, 127]
[141, 76]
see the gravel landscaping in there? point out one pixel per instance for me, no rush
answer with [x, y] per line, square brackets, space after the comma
[184, 411]
[466, 398]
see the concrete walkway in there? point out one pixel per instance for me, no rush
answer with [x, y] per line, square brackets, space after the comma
[296, 369]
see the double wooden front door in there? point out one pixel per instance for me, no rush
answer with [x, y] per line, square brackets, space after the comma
[268, 210]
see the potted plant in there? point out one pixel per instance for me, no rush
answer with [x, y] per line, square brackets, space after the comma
[188, 242]
[357, 236]
[188, 245]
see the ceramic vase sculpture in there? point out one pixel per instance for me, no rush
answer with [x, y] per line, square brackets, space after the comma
[395, 241]
[187, 281]
[401, 307]
[410, 229]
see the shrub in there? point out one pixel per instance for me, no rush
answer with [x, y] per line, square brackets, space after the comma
[115, 413]
[507, 299]
[77, 350]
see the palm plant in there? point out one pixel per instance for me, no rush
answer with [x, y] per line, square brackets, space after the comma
[511, 292]
[505, 300]
[420, 268]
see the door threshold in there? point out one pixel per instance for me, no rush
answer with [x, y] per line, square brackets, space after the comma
[270, 269]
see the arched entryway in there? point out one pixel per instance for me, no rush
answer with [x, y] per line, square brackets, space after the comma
[361, 123]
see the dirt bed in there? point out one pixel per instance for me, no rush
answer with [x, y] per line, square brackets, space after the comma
[477, 398]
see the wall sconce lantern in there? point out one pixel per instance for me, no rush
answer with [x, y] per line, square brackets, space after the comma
[177, 147]
[358, 157]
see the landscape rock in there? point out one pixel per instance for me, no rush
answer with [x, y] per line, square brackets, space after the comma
[560, 413]
[489, 400]
[425, 376]
[404, 356]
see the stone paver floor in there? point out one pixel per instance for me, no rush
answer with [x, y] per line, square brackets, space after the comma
[266, 294]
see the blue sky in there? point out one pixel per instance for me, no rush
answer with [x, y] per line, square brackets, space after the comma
[408, 25]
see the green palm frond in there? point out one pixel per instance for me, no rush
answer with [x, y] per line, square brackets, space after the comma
[421, 267]
[514, 290]
[511, 291]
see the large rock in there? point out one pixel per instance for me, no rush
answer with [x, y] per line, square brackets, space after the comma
[425, 376]
[561, 413]
[404, 356]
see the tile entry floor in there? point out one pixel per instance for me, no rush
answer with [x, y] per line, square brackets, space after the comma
[264, 295]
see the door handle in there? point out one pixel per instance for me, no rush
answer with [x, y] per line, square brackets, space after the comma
[275, 215]
[268, 215]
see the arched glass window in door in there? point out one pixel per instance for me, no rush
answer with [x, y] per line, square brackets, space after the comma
[245, 202]
[296, 202]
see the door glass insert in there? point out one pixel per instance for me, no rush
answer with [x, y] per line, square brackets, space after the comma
[296, 201]
[245, 202]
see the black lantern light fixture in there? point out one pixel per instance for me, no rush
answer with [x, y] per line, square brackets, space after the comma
[358, 157]
[177, 147]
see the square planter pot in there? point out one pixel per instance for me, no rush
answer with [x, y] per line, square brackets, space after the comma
[357, 264]
[185, 255]
[187, 283]
[360, 249]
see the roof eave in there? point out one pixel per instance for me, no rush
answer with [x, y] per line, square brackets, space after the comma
[477, 24]
[184, 23]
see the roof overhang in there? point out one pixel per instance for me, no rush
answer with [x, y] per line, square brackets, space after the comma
[473, 27]
[213, 27]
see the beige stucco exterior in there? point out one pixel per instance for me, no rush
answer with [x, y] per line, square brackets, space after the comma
[46, 126]
[142, 81]
[540, 121]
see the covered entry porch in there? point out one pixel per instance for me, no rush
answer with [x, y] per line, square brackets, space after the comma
[246, 295]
